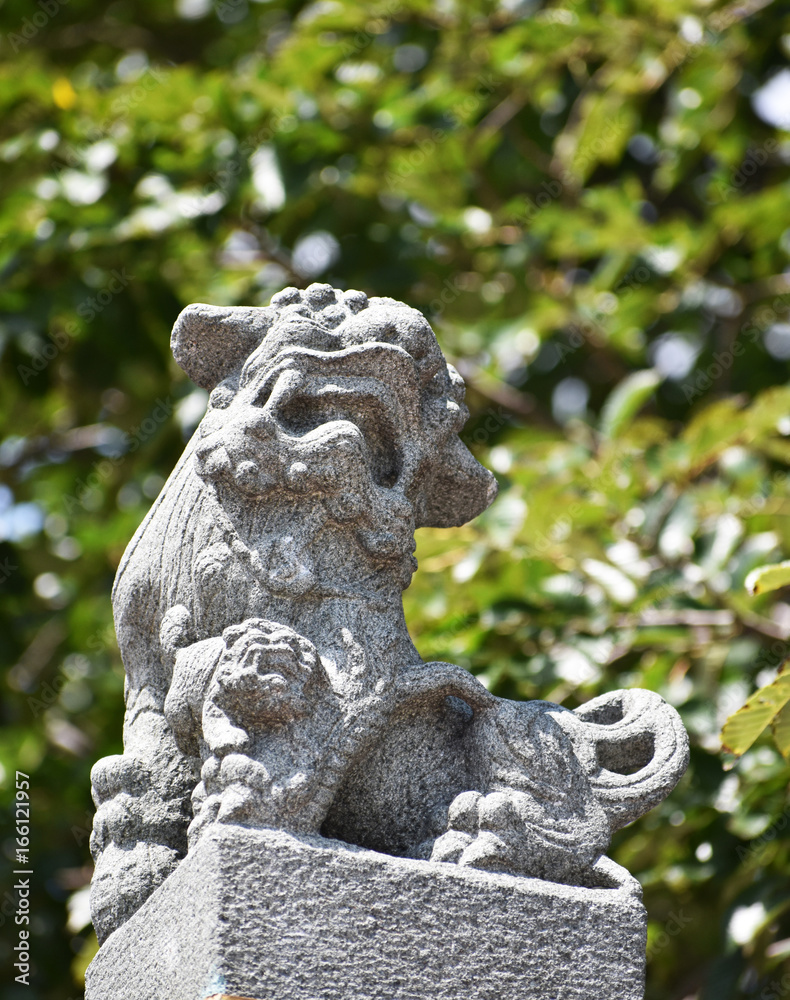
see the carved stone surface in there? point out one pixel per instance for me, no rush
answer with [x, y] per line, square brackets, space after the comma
[271, 681]
[257, 914]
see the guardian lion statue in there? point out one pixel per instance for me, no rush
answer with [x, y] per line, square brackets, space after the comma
[270, 678]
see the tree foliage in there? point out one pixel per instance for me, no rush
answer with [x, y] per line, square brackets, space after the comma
[588, 198]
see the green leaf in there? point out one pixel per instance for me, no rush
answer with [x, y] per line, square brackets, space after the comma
[626, 399]
[765, 578]
[762, 708]
[781, 730]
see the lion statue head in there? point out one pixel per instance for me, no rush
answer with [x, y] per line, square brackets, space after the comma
[331, 434]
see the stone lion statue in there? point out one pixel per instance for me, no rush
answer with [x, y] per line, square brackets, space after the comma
[270, 677]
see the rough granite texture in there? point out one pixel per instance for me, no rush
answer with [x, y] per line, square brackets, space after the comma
[262, 915]
[271, 684]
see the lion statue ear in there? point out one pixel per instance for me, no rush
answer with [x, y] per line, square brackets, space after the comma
[212, 342]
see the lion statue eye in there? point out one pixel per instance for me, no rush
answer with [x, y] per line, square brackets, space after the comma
[221, 397]
[303, 414]
[262, 395]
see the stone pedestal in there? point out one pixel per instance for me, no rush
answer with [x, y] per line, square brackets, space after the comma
[261, 914]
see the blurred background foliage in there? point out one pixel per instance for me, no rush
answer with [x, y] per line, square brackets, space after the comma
[589, 199]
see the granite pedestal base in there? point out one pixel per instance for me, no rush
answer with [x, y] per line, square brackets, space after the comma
[260, 914]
